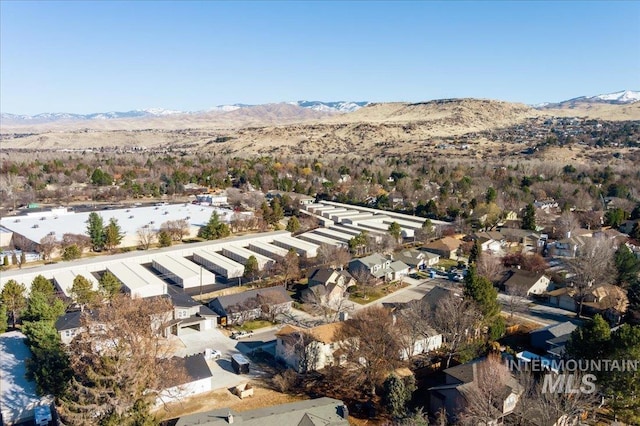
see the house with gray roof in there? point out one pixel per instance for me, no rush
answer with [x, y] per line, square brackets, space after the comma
[313, 412]
[252, 304]
[380, 267]
[417, 259]
[196, 378]
[540, 338]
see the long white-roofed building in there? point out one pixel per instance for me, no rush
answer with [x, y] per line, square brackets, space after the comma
[269, 250]
[218, 263]
[138, 280]
[64, 280]
[312, 237]
[242, 255]
[183, 272]
[303, 248]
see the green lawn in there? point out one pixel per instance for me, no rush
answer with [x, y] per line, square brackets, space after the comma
[376, 293]
[447, 263]
[254, 325]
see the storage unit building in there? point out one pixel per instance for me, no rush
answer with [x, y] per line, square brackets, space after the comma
[138, 280]
[362, 217]
[183, 272]
[241, 255]
[64, 280]
[321, 239]
[303, 248]
[335, 234]
[218, 263]
[269, 250]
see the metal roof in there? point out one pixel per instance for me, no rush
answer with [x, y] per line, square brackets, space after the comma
[137, 278]
[184, 268]
[65, 278]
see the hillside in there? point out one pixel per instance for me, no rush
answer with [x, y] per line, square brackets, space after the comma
[383, 128]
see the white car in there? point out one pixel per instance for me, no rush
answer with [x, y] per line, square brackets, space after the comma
[212, 354]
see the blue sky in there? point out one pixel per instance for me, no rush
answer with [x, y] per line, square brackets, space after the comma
[99, 56]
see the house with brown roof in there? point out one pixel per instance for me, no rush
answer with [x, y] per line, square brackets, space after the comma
[446, 247]
[608, 300]
[309, 349]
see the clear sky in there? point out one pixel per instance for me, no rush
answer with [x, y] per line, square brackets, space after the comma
[97, 56]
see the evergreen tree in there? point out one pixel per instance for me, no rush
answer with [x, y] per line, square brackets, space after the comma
[4, 320]
[95, 230]
[293, 225]
[396, 396]
[474, 254]
[23, 258]
[214, 229]
[529, 218]
[251, 268]
[480, 290]
[14, 258]
[49, 364]
[622, 388]
[42, 307]
[590, 341]
[627, 264]
[491, 195]
[395, 231]
[82, 291]
[109, 285]
[5, 261]
[164, 239]
[13, 298]
[277, 213]
[71, 252]
[112, 234]
[42, 285]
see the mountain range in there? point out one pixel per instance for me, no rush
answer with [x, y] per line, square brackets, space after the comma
[279, 111]
[319, 106]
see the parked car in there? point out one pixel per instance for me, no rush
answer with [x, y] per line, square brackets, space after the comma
[241, 334]
[212, 353]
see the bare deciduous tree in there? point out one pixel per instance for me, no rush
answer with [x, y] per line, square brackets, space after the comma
[485, 396]
[515, 301]
[592, 265]
[457, 319]
[119, 348]
[370, 342]
[490, 267]
[334, 257]
[566, 224]
[48, 245]
[146, 237]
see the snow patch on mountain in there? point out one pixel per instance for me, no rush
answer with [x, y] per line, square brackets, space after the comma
[623, 97]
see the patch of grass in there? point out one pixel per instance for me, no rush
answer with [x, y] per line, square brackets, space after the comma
[447, 263]
[254, 325]
[376, 293]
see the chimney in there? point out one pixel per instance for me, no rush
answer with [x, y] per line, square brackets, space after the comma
[230, 417]
[568, 234]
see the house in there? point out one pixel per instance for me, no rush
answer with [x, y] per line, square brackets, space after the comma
[382, 268]
[608, 300]
[309, 349]
[70, 325]
[446, 247]
[197, 379]
[188, 313]
[417, 259]
[460, 380]
[490, 241]
[252, 304]
[568, 247]
[527, 240]
[627, 226]
[436, 294]
[312, 412]
[334, 283]
[415, 345]
[540, 338]
[525, 283]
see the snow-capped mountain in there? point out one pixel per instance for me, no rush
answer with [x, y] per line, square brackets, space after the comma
[329, 107]
[617, 98]
[48, 117]
[623, 97]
